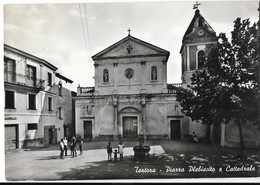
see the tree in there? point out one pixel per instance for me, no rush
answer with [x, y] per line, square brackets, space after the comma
[227, 86]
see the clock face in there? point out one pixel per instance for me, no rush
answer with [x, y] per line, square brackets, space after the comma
[129, 73]
[201, 32]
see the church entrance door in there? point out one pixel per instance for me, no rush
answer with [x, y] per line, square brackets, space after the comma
[175, 129]
[130, 127]
[87, 130]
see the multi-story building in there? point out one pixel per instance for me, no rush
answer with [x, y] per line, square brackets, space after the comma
[38, 108]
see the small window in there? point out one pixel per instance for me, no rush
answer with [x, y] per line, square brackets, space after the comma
[49, 79]
[60, 89]
[60, 113]
[31, 75]
[9, 100]
[50, 107]
[201, 59]
[32, 126]
[200, 22]
[154, 73]
[32, 101]
[105, 75]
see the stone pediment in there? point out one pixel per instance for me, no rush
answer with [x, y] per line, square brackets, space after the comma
[130, 47]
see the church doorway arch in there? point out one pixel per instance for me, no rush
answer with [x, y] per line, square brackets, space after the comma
[130, 127]
[130, 123]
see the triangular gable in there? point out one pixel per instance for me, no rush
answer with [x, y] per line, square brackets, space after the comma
[194, 23]
[130, 47]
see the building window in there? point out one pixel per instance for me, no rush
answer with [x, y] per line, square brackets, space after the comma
[32, 126]
[105, 75]
[32, 101]
[60, 89]
[60, 113]
[9, 70]
[154, 73]
[31, 75]
[50, 106]
[49, 79]
[201, 59]
[200, 22]
[9, 100]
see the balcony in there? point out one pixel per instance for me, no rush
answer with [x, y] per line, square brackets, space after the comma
[20, 79]
[172, 88]
[86, 91]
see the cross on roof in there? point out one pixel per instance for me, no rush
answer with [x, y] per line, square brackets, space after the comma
[196, 6]
[129, 31]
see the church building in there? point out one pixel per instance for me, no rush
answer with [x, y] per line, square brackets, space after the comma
[131, 96]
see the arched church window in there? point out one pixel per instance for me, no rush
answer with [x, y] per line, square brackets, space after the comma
[201, 59]
[105, 75]
[200, 22]
[154, 73]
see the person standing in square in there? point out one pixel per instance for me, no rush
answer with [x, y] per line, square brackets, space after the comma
[121, 150]
[61, 149]
[73, 147]
[65, 141]
[109, 151]
[81, 146]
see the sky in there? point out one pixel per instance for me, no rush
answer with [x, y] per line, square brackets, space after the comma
[68, 34]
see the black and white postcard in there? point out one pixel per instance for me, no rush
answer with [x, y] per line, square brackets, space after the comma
[131, 91]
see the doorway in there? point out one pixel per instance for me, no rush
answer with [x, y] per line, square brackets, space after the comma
[50, 135]
[175, 129]
[130, 127]
[87, 130]
[11, 137]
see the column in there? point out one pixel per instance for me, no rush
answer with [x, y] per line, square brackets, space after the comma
[115, 77]
[97, 80]
[188, 58]
[115, 106]
[164, 76]
[143, 126]
[143, 89]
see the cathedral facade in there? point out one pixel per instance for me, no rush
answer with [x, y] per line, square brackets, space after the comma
[131, 96]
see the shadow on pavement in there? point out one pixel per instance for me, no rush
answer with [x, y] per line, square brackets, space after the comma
[49, 158]
[165, 166]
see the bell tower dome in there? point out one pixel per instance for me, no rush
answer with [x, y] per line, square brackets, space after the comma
[196, 42]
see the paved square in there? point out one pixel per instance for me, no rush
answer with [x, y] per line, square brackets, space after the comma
[166, 159]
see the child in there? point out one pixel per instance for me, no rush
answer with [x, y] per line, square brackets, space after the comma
[121, 150]
[80, 146]
[115, 155]
[73, 147]
[61, 149]
[109, 151]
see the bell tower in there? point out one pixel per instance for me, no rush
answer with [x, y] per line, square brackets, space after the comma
[196, 42]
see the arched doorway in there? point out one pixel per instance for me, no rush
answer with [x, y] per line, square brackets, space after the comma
[130, 122]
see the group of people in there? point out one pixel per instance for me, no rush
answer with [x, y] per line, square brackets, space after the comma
[73, 146]
[119, 150]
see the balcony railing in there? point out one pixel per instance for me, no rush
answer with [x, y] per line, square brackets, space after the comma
[86, 90]
[172, 88]
[25, 80]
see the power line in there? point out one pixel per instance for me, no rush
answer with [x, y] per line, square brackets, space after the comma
[84, 34]
[87, 26]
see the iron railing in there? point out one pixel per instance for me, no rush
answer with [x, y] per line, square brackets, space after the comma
[172, 88]
[25, 80]
[87, 90]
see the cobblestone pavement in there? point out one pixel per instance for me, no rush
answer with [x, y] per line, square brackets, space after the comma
[166, 160]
